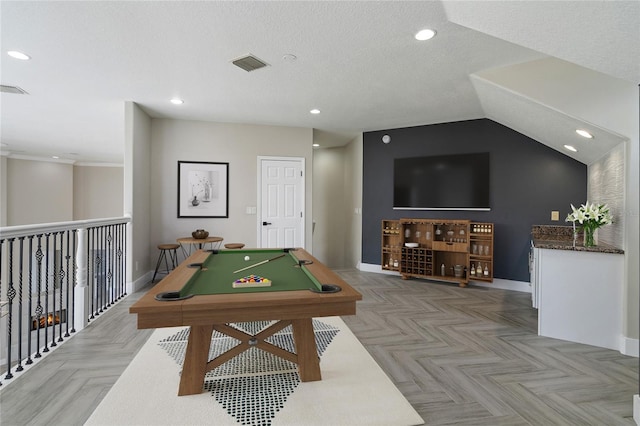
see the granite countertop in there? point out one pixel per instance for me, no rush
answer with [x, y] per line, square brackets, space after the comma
[561, 238]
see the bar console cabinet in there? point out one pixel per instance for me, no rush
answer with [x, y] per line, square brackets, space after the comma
[442, 250]
[391, 245]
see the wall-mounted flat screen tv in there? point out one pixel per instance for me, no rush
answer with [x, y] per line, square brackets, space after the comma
[443, 182]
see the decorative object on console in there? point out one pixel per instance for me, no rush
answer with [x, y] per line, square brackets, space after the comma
[200, 234]
[590, 216]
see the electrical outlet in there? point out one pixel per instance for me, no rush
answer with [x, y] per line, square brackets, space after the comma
[555, 215]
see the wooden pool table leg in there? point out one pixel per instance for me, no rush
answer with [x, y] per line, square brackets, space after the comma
[195, 360]
[305, 340]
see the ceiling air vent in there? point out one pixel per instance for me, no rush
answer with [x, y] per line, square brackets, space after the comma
[12, 89]
[249, 63]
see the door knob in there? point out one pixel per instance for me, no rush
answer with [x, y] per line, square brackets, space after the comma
[266, 223]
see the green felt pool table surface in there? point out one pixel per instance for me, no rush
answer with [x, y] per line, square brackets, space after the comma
[217, 273]
[213, 303]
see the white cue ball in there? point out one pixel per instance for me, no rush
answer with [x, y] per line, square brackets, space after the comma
[247, 258]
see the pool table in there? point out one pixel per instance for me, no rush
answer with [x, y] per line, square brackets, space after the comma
[199, 293]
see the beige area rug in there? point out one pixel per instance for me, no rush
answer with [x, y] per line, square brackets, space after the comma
[257, 388]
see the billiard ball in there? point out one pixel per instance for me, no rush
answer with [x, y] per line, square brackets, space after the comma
[247, 258]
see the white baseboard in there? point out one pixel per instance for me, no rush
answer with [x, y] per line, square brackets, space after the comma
[369, 267]
[521, 286]
[136, 285]
[636, 409]
[500, 283]
[629, 346]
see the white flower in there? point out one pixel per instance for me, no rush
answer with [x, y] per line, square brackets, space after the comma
[590, 215]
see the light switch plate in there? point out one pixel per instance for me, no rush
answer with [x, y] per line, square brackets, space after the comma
[555, 215]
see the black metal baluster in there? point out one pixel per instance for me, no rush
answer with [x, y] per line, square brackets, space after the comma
[11, 293]
[103, 275]
[73, 284]
[60, 280]
[30, 304]
[114, 264]
[66, 292]
[109, 265]
[90, 267]
[124, 257]
[55, 281]
[121, 234]
[106, 260]
[46, 292]
[116, 273]
[99, 271]
[20, 318]
[39, 257]
[103, 269]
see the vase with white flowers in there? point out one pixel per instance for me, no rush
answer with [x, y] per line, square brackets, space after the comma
[590, 217]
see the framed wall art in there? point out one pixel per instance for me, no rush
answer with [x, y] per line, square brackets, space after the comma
[203, 189]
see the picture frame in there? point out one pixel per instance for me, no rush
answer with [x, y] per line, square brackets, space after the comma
[203, 189]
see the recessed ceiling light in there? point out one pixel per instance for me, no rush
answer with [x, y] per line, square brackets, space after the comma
[570, 148]
[315, 111]
[584, 134]
[289, 57]
[18, 55]
[315, 145]
[425, 34]
[177, 101]
[55, 157]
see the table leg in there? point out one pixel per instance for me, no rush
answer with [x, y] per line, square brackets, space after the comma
[305, 341]
[195, 360]
[184, 250]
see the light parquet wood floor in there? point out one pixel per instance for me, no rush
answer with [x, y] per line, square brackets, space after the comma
[472, 356]
[460, 356]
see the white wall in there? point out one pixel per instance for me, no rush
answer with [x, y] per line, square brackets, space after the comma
[136, 201]
[353, 202]
[337, 201]
[236, 144]
[38, 192]
[330, 224]
[97, 192]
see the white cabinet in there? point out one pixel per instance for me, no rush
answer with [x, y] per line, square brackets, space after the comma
[579, 296]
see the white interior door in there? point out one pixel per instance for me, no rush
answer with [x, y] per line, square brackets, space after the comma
[281, 204]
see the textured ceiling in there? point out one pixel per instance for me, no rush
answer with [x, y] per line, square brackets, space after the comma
[356, 61]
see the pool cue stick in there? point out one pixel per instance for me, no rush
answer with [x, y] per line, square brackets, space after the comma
[257, 264]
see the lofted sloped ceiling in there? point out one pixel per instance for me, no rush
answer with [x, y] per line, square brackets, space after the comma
[549, 110]
[355, 61]
[547, 99]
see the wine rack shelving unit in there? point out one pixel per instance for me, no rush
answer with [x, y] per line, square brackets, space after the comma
[441, 250]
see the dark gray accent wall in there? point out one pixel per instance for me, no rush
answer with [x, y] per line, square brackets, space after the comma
[528, 181]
